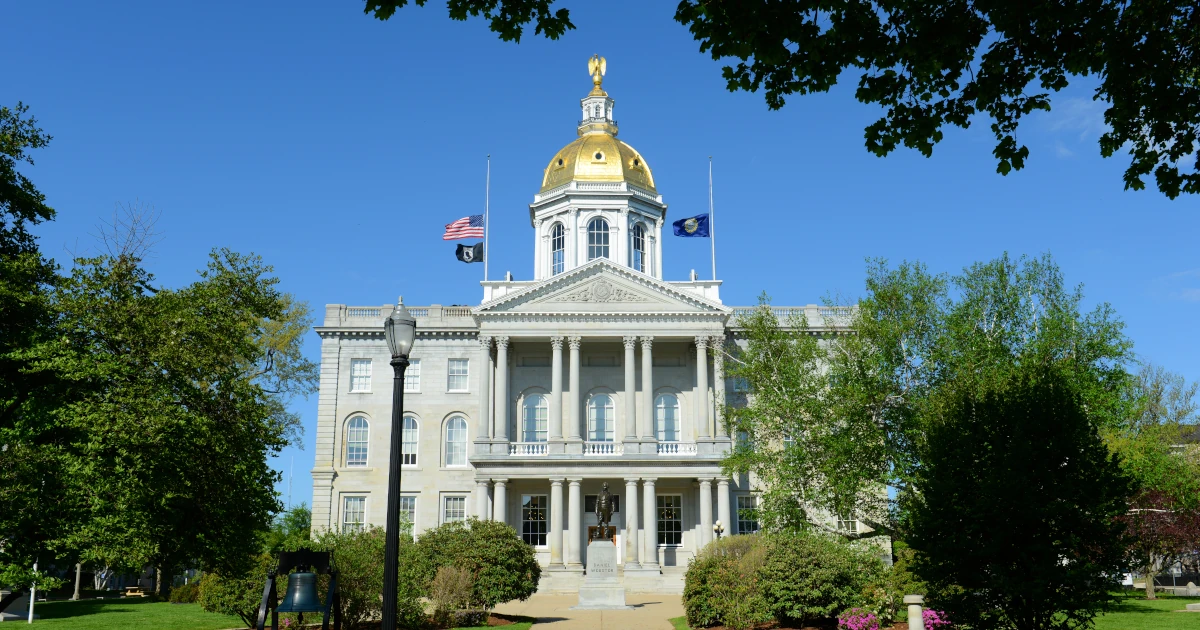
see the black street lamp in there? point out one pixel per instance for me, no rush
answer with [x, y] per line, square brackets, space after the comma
[399, 329]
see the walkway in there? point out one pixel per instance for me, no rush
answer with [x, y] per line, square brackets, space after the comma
[553, 612]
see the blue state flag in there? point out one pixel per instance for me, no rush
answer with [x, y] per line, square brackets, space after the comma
[692, 226]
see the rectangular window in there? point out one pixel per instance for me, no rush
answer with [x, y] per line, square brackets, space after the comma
[747, 514]
[847, 523]
[360, 375]
[456, 379]
[670, 520]
[408, 514]
[354, 513]
[408, 446]
[412, 376]
[590, 504]
[533, 519]
[454, 509]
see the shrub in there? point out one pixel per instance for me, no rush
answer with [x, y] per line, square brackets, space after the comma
[807, 575]
[501, 565]
[450, 592]
[237, 596]
[185, 593]
[721, 584]
[885, 596]
[858, 619]
[935, 619]
[358, 557]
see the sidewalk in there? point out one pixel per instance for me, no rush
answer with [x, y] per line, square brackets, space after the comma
[553, 612]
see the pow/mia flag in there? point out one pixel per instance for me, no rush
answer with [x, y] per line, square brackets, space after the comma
[470, 253]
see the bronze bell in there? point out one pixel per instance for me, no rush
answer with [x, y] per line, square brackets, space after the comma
[301, 595]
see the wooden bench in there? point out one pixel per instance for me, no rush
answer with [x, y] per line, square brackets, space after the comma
[135, 591]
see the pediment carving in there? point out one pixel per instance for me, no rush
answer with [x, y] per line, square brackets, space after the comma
[600, 291]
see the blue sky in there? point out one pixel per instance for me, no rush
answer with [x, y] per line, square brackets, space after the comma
[337, 146]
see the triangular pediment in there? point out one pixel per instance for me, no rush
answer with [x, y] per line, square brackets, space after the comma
[602, 287]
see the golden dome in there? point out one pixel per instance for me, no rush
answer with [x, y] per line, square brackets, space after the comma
[598, 157]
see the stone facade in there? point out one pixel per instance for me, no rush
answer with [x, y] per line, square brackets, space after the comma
[595, 371]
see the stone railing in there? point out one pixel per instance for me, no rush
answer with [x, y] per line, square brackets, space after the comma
[575, 186]
[603, 448]
[817, 316]
[370, 316]
[676, 449]
[527, 448]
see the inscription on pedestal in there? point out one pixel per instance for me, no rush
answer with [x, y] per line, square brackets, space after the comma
[601, 589]
[604, 563]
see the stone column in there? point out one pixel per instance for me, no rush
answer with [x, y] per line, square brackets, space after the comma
[706, 519]
[658, 225]
[630, 390]
[573, 397]
[481, 499]
[650, 526]
[502, 389]
[574, 521]
[633, 553]
[556, 432]
[556, 521]
[718, 344]
[483, 430]
[723, 514]
[701, 387]
[647, 389]
[500, 504]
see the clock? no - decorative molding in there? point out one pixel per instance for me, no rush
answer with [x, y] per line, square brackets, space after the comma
[602, 291]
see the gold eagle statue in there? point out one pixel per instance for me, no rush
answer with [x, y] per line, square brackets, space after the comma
[596, 68]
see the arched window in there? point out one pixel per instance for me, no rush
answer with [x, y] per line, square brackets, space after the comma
[639, 248]
[357, 432]
[409, 447]
[597, 238]
[600, 419]
[558, 249]
[666, 418]
[456, 442]
[534, 414]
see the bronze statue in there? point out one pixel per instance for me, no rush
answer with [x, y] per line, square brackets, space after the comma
[604, 510]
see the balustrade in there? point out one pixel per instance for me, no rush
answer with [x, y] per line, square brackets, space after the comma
[668, 449]
[527, 448]
[603, 448]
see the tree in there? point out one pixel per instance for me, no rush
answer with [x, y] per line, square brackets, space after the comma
[832, 420]
[1164, 515]
[175, 400]
[290, 531]
[1017, 525]
[932, 65]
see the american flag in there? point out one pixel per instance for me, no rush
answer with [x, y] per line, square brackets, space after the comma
[466, 227]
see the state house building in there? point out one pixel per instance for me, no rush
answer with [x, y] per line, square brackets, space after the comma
[596, 371]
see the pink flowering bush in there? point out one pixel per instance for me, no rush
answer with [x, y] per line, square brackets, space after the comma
[935, 620]
[858, 619]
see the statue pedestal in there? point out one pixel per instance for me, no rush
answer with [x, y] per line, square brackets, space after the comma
[601, 589]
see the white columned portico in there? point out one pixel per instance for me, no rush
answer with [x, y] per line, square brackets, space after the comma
[483, 430]
[633, 553]
[706, 519]
[723, 514]
[501, 500]
[630, 390]
[481, 499]
[556, 416]
[574, 521]
[502, 389]
[573, 398]
[556, 521]
[650, 526]
[702, 403]
[718, 344]
[647, 389]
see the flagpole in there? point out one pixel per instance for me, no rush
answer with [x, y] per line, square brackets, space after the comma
[712, 221]
[487, 219]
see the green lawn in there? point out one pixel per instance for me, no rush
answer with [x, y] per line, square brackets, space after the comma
[1133, 613]
[133, 613]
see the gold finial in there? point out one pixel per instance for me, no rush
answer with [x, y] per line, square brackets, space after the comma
[596, 68]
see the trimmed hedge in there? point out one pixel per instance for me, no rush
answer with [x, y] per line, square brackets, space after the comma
[501, 565]
[795, 578]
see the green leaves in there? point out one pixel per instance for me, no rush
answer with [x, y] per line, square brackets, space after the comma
[506, 18]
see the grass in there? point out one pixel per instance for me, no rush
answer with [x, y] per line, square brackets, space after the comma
[132, 614]
[1132, 613]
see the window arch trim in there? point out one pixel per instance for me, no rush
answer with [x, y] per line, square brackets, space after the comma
[598, 238]
[410, 440]
[455, 427]
[558, 248]
[356, 440]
